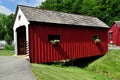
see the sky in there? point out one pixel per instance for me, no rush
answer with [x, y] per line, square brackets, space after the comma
[9, 6]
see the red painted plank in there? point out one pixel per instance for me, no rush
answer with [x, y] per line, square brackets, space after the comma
[75, 42]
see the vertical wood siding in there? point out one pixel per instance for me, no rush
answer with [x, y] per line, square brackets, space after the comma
[116, 35]
[75, 42]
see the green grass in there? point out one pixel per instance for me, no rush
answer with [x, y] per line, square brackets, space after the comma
[108, 65]
[45, 72]
[6, 52]
[104, 68]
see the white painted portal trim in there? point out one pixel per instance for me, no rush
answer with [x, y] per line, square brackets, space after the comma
[27, 39]
[21, 21]
[15, 42]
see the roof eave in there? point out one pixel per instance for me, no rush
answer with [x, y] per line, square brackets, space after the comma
[72, 24]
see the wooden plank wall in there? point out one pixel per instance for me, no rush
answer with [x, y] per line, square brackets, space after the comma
[75, 42]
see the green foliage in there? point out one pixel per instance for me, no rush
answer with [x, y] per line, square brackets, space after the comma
[6, 31]
[106, 10]
[3, 21]
[8, 39]
[60, 5]
[9, 47]
[9, 29]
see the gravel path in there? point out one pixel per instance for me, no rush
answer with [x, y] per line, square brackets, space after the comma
[114, 48]
[14, 68]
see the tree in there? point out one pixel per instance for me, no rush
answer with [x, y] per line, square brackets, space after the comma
[3, 20]
[6, 32]
[9, 31]
[106, 10]
[58, 5]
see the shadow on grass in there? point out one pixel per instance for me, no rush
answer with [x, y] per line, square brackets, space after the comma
[80, 62]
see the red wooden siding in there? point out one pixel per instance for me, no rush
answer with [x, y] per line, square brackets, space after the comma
[75, 42]
[116, 35]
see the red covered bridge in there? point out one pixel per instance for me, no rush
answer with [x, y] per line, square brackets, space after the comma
[47, 36]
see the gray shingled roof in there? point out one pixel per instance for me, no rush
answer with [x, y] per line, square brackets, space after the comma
[118, 23]
[40, 15]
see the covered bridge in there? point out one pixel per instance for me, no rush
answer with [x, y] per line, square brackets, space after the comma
[47, 36]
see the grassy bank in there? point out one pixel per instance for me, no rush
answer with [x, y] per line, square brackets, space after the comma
[6, 52]
[108, 65]
[104, 68]
[45, 72]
